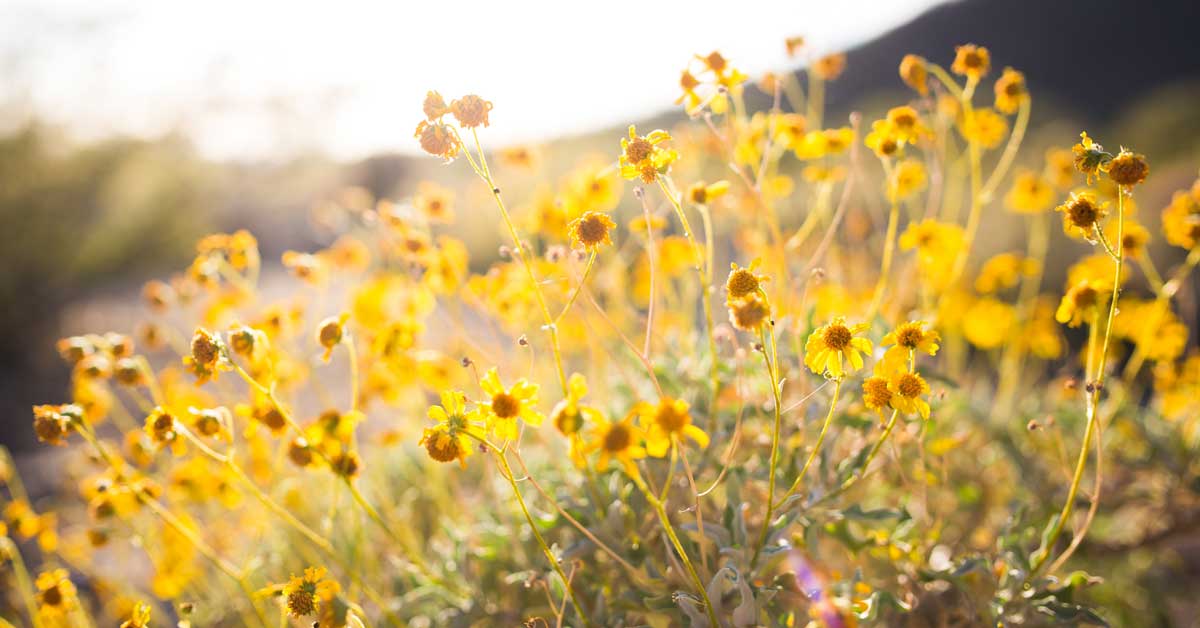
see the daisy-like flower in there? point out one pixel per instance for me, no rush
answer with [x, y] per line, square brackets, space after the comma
[749, 313]
[1030, 193]
[1080, 303]
[331, 332]
[907, 124]
[161, 428]
[509, 404]
[744, 282]
[570, 414]
[665, 421]
[1081, 213]
[642, 156]
[830, 346]
[591, 230]
[701, 193]
[56, 594]
[971, 61]
[617, 440]
[451, 438]
[907, 390]
[304, 594]
[876, 394]
[1010, 91]
[908, 339]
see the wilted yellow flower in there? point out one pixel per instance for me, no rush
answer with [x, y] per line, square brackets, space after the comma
[52, 424]
[1090, 157]
[1128, 169]
[471, 111]
[438, 139]
[331, 332]
[1081, 213]
[591, 230]
[830, 346]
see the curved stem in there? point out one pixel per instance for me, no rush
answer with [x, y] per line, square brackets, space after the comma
[506, 471]
[889, 247]
[772, 362]
[837, 390]
[578, 288]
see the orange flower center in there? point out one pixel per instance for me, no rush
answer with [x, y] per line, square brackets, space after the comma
[618, 438]
[837, 337]
[505, 406]
[909, 385]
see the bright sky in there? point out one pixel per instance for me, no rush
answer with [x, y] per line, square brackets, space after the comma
[249, 80]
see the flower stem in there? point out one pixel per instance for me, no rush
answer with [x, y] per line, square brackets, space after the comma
[506, 470]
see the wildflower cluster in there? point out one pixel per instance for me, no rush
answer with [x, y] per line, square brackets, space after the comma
[867, 425]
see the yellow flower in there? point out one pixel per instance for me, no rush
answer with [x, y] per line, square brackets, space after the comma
[207, 358]
[1081, 302]
[909, 338]
[1004, 271]
[451, 438]
[984, 127]
[56, 594]
[434, 202]
[331, 332]
[876, 394]
[907, 124]
[591, 230]
[1010, 91]
[1134, 238]
[1041, 335]
[908, 178]
[509, 404]
[1181, 219]
[971, 61]
[1090, 157]
[641, 156]
[907, 390]
[305, 594]
[52, 424]
[883, 139]
[829, 67]
[743, 282]
[829, 346]
[1030, 193]
[1096, 269]
[1060, 168]
[701, 194]
[749, 313]
[987, 323]
[617, 440]
[1128, 169]
[1081, 213]
[914, 74]
[139, 617]
[667, 421]
[570, 414]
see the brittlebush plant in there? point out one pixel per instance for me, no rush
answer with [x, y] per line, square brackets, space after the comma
[862, 421]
